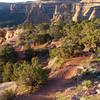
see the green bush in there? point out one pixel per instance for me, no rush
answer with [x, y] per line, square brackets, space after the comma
[53, 52]
[30, 74]
[28, 26]
[1, 66]
[60, 96]
[87, 83]
[56, 31]
[59, 55]
[42, 38]
[8, 53]
[7, 72]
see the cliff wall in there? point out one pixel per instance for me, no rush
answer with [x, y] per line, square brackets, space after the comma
[38, 12]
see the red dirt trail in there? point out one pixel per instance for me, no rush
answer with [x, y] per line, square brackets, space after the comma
[58, 82]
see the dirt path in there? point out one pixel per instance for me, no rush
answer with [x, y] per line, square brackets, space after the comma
[58, 82]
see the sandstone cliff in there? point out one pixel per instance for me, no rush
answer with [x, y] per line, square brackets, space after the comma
[72, 10]
[46, 11]
[36, 15]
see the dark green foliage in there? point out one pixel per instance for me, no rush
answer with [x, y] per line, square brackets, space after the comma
[8, 53]
[25, 73]
[30, 74]
[42, 38]
[29, 54]
[26, 39]
[1, 66]
[8, 72]
[28, 26]
[85, 33]
[29, 38]
[56, 31]
[78, 36]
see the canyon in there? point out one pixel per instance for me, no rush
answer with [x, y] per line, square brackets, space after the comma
[47, 11]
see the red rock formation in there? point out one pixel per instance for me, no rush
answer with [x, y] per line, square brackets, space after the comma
[2, 35]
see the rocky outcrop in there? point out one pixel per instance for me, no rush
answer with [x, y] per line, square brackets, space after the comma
[7, 87]
[2, 35]
[95, 13]
[78, 13]
[56, 16]
[86, 11]
[9, 34]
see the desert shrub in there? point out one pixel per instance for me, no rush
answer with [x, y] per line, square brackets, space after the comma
[76, 40]
[42, 38]
[61, 54]
[30, 74]
[8, 95]
[1, 66]
[24, 89]
[90, 37]
[53, 52]
[84, 32]
[60, 58]
[28, 26]
[8, 53]
[26, 39]
[87, 83]
[7, 72]
[58, 64]
[56, 31]
[85, 72]
[60, 96]
[21, 40]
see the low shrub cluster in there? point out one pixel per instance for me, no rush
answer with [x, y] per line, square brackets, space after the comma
[29, 74]
[8, 54]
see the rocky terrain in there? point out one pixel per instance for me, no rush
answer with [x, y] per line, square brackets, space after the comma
[57, 60]
[38, 12]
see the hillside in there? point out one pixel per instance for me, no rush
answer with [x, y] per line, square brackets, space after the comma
[49, 61]
[50, 50]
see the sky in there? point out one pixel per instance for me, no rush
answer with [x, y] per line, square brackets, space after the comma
[16, 0]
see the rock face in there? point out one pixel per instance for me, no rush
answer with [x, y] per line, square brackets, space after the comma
[38, 12]
[2, 35]
[9, 34]
[78, 12]
[52, 11]
[7, 86]
[36, 15]
[86, 11]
